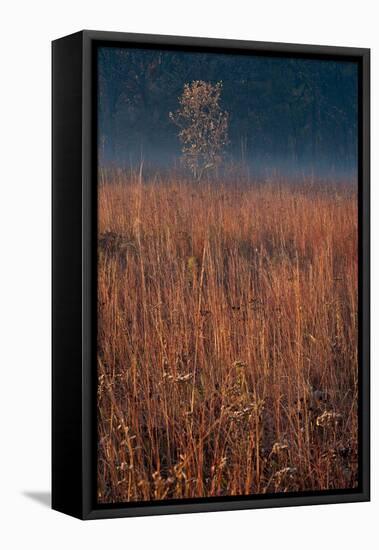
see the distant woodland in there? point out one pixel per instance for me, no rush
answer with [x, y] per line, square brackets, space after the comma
[289, 111]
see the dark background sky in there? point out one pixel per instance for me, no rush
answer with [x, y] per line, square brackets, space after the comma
[286, 115]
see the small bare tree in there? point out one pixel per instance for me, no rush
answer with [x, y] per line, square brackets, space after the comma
[203, 126]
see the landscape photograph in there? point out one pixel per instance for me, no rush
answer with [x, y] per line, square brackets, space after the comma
[227, 274]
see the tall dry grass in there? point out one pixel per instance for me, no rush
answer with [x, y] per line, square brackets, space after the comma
[227, 339]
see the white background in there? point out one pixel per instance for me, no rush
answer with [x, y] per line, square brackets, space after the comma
[26, 31]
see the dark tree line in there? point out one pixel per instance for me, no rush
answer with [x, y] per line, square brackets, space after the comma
[291, 109]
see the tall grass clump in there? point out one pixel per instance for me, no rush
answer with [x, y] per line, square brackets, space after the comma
[227, 338]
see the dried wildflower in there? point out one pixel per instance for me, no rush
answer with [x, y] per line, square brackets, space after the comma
[241, 413]
[124, 466]
[179, 378]
[329, 454]
[285, 473]
[161, 485]
[328, 418]
[278, 448]
[121, 481]
[145, 487]
[184, 377]
[218, 467]
[242, 410]
[179, 472]
[239, 364]
[258, 406]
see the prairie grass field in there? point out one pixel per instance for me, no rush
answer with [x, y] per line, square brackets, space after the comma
[227, 338]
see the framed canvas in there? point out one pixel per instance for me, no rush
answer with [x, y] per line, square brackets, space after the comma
[210, 275]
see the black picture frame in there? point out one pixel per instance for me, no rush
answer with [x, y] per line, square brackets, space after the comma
[74, 275]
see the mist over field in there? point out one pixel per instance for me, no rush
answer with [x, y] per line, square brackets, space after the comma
[287, 115]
